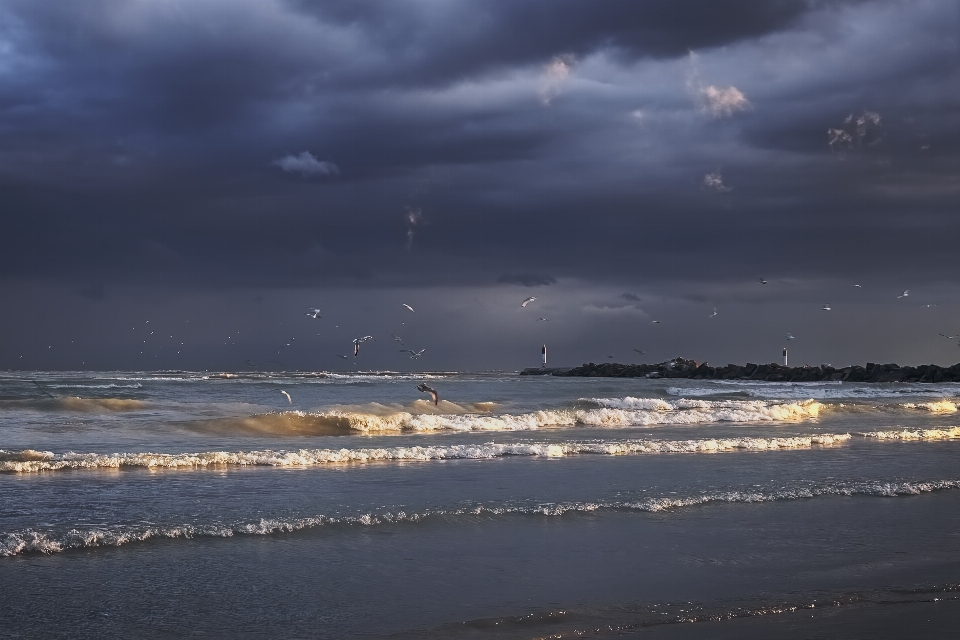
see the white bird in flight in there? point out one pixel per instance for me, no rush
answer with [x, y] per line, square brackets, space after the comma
[542, 320]
[313, 313]
[357, 342]
[640, 352]
[414, 355]
[654, 322]
[397, 338]
[827, 307]
[714, 313]
[762, 281]
[789, 336]
[408, 307]
[289, 399]
[905, 294]
[948, 337]
[528, 301]
[858, 286]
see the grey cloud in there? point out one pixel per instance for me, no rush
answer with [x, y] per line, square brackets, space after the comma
[307, 164]
[527, 279]
[440, 108]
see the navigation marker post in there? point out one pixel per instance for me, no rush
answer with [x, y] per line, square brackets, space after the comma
[544, 353]
[785, 356]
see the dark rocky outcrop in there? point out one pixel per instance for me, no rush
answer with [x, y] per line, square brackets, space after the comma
[683, 368]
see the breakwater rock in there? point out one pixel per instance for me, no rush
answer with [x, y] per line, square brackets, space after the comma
[684, 368]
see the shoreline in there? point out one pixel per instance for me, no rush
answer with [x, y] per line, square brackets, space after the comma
[772, 372]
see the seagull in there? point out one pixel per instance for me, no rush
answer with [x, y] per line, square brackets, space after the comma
[927, 306]
[528, 301]
[948, 337]
[344, 357]
[905, 294]
[714, 313]
[414, 355]
[542, 320]
[357, 342]
[313, 313]
[611, 357]
[654, 322]
[643, 353]
[433, 392]
[289, 399]
[408, 307]
[858, 286]
[827, 307]
[762, 281]
[397, 338]
[789, 336]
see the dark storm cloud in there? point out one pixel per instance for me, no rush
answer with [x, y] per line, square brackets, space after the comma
[286, 144]
[527, 279]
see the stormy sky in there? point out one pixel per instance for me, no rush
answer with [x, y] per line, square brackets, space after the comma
[181, 181]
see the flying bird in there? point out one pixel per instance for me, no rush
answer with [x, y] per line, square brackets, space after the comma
[948, 337]
[414, 355]
[643, 353]
[528, 301]
[542, 320]
[762, 281]
[789, 336]
[433, 392]
[344, 357]
[858, 286]
[313, 313]
[827, 307]
[397, 338]
[654, 322]
[927, 306]
[357, 342]
[905, 294]
[714, 313]
[408, 307]
[289, 399]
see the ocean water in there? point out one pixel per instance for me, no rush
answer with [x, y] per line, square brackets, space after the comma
[180, 504]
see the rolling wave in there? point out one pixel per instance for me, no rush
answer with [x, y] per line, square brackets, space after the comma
[421, 416]
[32, 461]
[818, 390]
[73, 404]
[49, 542]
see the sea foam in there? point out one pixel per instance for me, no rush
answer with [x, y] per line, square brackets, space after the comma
[48, 542]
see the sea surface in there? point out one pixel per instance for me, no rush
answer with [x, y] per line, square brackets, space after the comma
[184, 504]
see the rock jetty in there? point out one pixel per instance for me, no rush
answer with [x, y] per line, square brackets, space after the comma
[684, 368]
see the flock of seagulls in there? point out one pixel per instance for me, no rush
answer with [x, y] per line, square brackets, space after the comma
[315, 313]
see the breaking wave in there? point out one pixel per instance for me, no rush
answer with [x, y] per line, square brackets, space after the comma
[73, 404]
[32, 461]
[824, 390]
[49, 542]
[422, 416]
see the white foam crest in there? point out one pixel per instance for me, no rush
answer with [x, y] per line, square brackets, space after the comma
[629, 402]
[940, 406]
[30, 461]
[945, 433]
[49, 542]
[691, 412]
[824, 390]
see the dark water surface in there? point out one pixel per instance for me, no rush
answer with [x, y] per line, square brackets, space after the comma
[180, 505]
